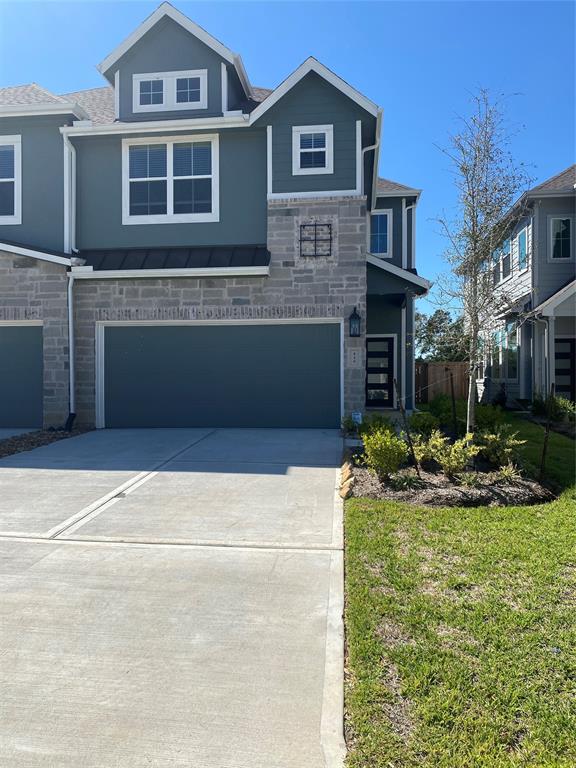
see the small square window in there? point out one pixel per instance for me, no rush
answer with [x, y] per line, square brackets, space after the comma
[315, 239]
[151, 92]
[312, 149]
[187, 90]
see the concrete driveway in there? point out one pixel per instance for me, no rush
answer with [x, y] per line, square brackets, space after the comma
[172, 598]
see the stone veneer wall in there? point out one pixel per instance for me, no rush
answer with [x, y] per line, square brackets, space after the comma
[31, 289]
[296, 288]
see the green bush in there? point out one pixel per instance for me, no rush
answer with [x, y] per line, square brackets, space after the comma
[487, 417]
[454, 457]
[405, 481]
[470, 479]
[557, 408]
[508, 474]
[423, 423]
[384, 452]
[425, 449]
[441, 407]
[499, 447]
[349, 426]
[374, 422]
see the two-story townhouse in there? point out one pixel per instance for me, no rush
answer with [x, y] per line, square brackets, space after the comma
[181, 248]
[533, 339]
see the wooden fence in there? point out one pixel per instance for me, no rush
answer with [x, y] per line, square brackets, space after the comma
[434, 379]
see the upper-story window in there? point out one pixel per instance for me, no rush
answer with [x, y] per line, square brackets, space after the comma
[312, 149]
[168, 91]
[381, 233]
[522, 242]
[510, 257]
[10, 180]
[170, 180]
[560, 237]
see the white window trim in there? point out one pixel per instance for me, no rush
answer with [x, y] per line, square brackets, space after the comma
[16, 217]
[551, 218]
[328, 131]
[517, 238]
[379, 212]
[169, 84]
[170, 218]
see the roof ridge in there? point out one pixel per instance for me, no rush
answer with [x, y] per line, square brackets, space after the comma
[49, 93]
[86, 90]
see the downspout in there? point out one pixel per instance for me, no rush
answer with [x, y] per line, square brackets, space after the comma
[71, 372]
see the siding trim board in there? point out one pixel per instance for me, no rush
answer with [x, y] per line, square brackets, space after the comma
[84, 273]
[101, 325]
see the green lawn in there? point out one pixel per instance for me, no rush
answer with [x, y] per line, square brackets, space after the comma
[461, 630]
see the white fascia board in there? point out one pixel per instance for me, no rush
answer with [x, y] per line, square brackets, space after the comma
[41, 255]
[547, 307]
[26, 110]
[153, 126]
[404, 274]
[313, 65]
[84, 273]
[403, 193]
[194, 29]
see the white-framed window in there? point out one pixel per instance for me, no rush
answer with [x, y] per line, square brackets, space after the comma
[10, 180]
[312, 149]
[380, 233]
[169, 91]
[170, 180]
[561, 233]
[504, 353]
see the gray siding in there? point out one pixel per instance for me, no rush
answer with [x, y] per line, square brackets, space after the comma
[42, 181]
[519, 284]
[167, 47]
[395, 205]
[242, 197]
[313, 101]
[550, 276]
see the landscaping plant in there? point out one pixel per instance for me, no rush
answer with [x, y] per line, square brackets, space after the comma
[423, 423]
[499, 447]
[508, 474]
[454, 457]
[384, 451]
[374, 422]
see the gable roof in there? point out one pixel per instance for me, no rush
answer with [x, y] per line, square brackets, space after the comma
[168, 10]
[422, 285]
[31, 98]
[547, 307]
[98, 103]
[313, 65]
[560, 184]
[388, 188]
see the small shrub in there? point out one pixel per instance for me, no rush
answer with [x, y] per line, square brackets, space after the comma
[384, 452]
[499, 447]
[455, 457]
[349, 426]
[425, 449]
[374, 422]
[441, 407]
[556, 408]
[508, 474]
[405, 481]
[488, 417]
[423, 423]
[470, 479]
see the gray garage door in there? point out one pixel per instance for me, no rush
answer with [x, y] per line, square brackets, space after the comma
[20, 375]
[222, 375]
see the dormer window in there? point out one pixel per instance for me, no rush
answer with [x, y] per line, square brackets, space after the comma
[312, 149]
[170, 91]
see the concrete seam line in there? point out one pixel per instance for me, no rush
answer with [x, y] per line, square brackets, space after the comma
[138, 480]
[332, 718]
[165, 544]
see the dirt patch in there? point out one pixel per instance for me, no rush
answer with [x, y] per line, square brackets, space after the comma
[392, 634]
[398, 709]
[437, 490]
[31, 440]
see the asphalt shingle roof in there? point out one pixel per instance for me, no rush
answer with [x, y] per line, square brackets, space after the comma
[388, 187]
[31, 93]
[561, 182]
[97, 102]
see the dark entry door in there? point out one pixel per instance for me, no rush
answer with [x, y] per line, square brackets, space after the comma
[565, 368]
[380, 371]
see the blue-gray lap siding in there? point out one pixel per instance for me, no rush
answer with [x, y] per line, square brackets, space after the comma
[395, 205]
[223, 376]
[21, 376]
[42, 181]
[551, 275]
[313, 101]
[168, 47]
[243, 210]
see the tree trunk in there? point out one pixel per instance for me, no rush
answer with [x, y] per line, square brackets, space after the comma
[471, 405]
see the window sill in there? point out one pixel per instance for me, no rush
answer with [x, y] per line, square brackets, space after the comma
[311, 171]
[178, 218]
[8, 220]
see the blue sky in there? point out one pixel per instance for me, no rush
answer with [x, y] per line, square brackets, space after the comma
[418, 60]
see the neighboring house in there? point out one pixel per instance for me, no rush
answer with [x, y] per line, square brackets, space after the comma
[200, 248]
[533, 342]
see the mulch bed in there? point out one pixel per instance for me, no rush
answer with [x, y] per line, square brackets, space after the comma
[438, 491]
[31, 440]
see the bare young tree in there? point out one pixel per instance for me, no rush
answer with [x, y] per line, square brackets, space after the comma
[488, 181]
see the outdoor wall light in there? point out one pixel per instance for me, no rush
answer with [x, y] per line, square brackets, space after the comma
[355, 321]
